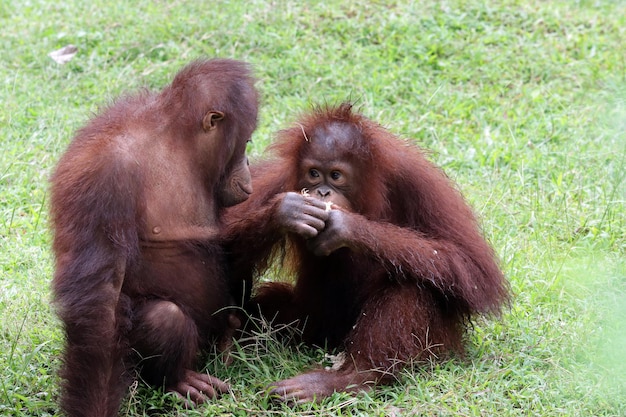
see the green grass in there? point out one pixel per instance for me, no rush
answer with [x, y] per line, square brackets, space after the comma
[522, 102]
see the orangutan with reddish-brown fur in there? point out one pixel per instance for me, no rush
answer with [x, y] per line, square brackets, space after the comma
[388, 260]
[135, 212]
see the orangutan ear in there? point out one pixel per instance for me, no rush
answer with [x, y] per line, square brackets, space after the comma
[209, 122]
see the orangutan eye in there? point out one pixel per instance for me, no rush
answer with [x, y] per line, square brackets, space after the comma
[335, 175]
[314, 173]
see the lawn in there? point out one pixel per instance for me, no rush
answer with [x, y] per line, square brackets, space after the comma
[523, 103]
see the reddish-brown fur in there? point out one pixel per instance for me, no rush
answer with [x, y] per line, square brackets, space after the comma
[416, 269]
[135, 214]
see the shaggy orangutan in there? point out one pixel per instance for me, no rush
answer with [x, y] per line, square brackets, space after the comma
[388, 260]
[136, 198]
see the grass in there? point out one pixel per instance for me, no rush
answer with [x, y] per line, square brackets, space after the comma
[522, 102]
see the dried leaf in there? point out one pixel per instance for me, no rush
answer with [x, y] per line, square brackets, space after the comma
[63, 55]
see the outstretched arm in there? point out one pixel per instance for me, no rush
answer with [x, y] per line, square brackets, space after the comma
[254, 228]
[282, 214]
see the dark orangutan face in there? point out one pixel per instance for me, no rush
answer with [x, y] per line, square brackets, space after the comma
[236, 185]
[326, 170]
